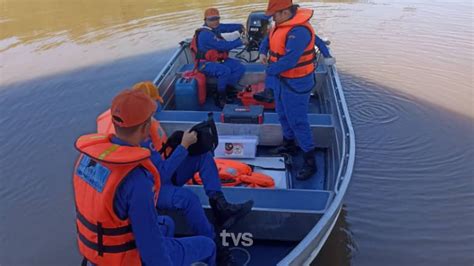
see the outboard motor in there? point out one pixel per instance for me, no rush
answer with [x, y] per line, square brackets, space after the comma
[257, 29]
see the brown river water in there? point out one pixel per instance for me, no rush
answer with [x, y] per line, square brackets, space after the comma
[406, 67]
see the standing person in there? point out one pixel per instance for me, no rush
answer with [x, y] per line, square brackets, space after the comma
[290, 73]
[267, 94]
[211, 52]
[116, 187]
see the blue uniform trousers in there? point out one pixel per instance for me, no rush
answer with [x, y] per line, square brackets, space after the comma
[228, 72]
[187, 250]
[176, 197]
[292, 108]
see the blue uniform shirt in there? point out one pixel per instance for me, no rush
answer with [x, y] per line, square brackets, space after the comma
[209, 41]
[166, 167]
[322, 46]
[134, 199]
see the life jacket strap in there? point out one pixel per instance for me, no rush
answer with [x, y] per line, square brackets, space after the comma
[101, 231]
[105, 231]
[277, 55]
[304, 63]
[101, 249]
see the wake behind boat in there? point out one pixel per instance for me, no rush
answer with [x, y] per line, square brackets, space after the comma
[290, 222]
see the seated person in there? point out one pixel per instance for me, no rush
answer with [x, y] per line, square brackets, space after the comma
[176, 170]
[116, 187]
[211, 54]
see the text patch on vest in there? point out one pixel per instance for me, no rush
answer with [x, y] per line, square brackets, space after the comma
[93, 173]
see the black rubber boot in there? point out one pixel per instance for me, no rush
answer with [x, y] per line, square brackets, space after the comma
[309, 166]
[220, 99]
[265, 96]
[287, 146]
[231, 91]
[227, 214]
[230, 99]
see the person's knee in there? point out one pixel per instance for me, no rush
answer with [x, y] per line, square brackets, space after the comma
[223, 71]
[240, 69]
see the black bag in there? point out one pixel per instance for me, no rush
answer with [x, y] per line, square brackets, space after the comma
[207, 139]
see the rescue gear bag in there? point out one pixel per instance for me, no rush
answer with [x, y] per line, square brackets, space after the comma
[207, 136]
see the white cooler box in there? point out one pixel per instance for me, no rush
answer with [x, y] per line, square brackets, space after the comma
[236, 147]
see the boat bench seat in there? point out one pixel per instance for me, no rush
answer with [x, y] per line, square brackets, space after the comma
[278, 214]
[323, 120]
[269, 133]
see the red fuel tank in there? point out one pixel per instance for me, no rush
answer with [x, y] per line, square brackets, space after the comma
[201, 81]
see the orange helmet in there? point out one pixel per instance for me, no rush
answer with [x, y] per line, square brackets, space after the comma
[131, 108]
[277, 5]
[211, 13]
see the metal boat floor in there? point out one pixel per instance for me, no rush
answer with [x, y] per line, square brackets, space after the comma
[317, 181]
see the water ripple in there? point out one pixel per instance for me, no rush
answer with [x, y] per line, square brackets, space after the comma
[372, 113]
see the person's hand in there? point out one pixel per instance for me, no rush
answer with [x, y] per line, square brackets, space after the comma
[189, 138]
[244, 40]
[329, 61]
[263, 59]
[242, 30]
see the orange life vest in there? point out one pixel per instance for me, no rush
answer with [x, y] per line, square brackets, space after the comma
[157, 134]
[103, 238]
[104, 123]
[211, 55]
[277, 39]
[233, 173]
